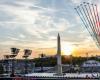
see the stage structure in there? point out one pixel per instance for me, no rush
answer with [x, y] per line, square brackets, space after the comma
[88, 14]
[6, 64]
[27, 53]
[14, 53]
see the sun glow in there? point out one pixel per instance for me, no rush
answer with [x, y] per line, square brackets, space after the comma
[67, 49]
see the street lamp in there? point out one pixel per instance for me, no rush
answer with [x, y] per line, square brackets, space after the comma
[27, 53]
[41, 62]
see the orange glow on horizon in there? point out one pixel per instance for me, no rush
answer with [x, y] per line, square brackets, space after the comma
[67, 49]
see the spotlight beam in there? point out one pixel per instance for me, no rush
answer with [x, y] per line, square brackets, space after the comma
[98, 20]
[91, 29]
[95, 19]
[88, 14]
[91, 22]
[88, 17]
[83, 20]
[82, 17]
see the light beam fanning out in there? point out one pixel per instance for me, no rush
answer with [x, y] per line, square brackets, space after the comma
[88, 14]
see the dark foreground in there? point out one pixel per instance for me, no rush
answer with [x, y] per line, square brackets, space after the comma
[32, 78]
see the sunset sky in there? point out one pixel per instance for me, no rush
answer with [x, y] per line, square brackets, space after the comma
[34, 24]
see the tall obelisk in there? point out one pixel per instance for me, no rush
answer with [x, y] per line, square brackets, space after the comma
[59, 65]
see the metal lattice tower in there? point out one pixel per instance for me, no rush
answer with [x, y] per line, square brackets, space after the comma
[88, 14]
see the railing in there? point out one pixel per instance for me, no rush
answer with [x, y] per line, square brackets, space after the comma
[15, 78]
[46, 78]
